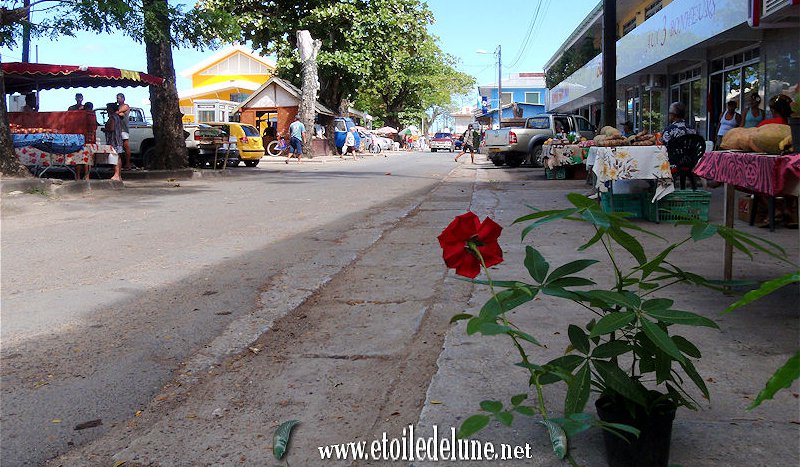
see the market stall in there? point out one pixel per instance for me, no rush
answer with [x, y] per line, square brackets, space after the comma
[43, 140]
[563, 159]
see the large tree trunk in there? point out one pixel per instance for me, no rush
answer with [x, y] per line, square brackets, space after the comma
[9, 164]
[309, 48]
[170, 143]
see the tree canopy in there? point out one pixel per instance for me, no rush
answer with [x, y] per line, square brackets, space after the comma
[377, 53]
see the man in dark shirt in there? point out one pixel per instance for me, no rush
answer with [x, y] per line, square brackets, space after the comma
[78, 102]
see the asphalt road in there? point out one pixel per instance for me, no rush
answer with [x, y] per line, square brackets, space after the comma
[107, 296]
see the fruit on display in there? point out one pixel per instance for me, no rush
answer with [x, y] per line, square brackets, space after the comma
[786, 144]
[642, 139]
[19, 130]
[767, 138]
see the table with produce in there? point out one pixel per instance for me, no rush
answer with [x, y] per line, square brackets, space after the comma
[637, 157]
[762, 160]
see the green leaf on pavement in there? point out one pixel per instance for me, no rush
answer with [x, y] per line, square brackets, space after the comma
[280, 438]
[506, 418]
[558, 439]
[492, 406]
[783, 378]
[472, 425]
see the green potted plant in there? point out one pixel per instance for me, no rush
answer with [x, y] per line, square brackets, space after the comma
[630, 350]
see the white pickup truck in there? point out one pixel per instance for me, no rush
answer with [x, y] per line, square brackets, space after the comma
[523, 145]
[142, 143]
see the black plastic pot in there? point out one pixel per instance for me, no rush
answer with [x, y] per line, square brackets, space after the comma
[651, 448]
[794, 124]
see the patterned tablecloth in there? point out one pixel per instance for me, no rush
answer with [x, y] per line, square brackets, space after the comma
[87, 155]
[557, 155]
[50, 142]
[760, 173]
[634, 163]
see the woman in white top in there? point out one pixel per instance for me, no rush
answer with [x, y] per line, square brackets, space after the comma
[730, 119]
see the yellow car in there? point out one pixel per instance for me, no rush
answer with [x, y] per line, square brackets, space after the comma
[247, 141]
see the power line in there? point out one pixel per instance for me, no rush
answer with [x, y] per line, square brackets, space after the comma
[526, 41]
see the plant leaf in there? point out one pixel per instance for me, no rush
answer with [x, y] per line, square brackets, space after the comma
[557, 438]
[619, 382]
[517, 400]
[686, 347]
[472, 425]
[702, 232]
[611, 322]
[544, 220]
[524, 336]
[681, 317]
[571, 281]
[280, 438]
[492, 406]
[580, 201]
[595, 238]
[525, 410]
[459, 317]
[578, 339]
[627, 241]
[493, 329]
[657, 304]
[570, 268]
[536, 265]
[661, 339]
[691, 371]
[506, 418]
[610, 349]
[566, 363]
[578, 391]
[782, 378]
[597, 218]
[766, 288]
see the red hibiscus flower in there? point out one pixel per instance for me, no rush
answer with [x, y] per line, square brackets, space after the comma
[463, 237]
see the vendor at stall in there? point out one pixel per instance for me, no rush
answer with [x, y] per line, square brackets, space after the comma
[780, 106]
[677, 124]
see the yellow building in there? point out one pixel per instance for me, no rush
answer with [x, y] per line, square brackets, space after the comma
[221, 82]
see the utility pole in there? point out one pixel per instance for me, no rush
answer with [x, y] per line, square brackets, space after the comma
[499, 86]
[609, 63]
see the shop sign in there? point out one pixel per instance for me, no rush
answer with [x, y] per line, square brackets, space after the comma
[677, 27]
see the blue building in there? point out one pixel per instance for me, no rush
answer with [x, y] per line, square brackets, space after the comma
[524, 91]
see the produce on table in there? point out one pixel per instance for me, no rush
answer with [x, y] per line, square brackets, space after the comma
[786, 144]
[642, 139]
[767, 138]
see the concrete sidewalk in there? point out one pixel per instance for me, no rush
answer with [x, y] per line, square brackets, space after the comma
[738, 359]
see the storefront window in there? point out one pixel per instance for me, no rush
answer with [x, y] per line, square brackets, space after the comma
[205, 115]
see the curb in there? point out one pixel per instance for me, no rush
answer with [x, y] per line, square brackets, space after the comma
[157, 174]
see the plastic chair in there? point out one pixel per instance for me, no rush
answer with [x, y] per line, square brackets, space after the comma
[684, 153]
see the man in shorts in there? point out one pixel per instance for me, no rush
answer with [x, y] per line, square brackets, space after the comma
[297, 132]
[471, 140]
[123, 112]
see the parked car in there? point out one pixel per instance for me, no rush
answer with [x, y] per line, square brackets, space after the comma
[243, 140]
[515, 146]
[443, 141]
[341, 125]
[203, 143]
[374, 143]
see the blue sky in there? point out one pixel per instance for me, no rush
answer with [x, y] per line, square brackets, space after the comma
[463, 27]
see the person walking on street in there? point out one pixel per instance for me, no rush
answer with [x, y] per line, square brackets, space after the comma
[349, 144]
[297, 132]
[123, 112]
[471, 140]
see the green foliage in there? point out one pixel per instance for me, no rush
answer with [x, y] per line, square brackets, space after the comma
[377, 53]
[194, 26]
[629, 345]
[280, 439]
[571, 61]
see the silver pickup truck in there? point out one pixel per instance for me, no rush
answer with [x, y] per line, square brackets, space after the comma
[523, 145]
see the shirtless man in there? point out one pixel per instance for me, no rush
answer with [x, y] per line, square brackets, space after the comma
[124, 110]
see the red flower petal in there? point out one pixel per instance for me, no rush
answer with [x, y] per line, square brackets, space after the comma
[462, 228]
[489, 231]
[470, 266]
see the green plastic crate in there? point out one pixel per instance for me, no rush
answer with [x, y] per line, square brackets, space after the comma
[628, 202]
[558, 173]
[680, 205]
